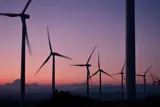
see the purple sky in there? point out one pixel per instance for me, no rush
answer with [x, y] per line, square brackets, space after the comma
[76, 26]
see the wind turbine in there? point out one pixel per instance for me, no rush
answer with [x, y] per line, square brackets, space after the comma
[158, 82]
[53, 54]
[144, 77]
[23, 17]
[130, 51]
[87, 65]
[122, 83]
[154, 81]
[100, 71]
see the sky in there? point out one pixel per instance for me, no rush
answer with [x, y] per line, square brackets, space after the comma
[76, 26]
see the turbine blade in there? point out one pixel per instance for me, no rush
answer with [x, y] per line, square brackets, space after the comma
[117, 73]
[27, 40]
[152, 76]
[10, 14]
[94, 74]
[139, 75]
[81, 65]
[123, 67]
[91, 54]
[28, 3]
[107, 74]
[57, 54]
[156, 78]
[43, 64]
[98, 61]
[124, 78]
[148, 69]
[50, 46]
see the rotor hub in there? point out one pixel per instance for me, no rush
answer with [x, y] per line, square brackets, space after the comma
[88, 65]
[26, 16]
[122, 72]
[100, 70]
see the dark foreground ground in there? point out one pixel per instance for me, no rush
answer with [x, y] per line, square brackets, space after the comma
[65, 99]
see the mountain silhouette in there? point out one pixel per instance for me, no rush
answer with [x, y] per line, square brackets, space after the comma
[39, 92]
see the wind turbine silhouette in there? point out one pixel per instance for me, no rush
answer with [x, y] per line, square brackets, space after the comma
[23, 17]
[154, 81]
[53, 54]
[87, 65]
[158, 82]
[122, 83]
[144, 77]
[100, 71]
[130, 51]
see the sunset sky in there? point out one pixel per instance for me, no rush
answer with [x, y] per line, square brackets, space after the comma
[76, 26]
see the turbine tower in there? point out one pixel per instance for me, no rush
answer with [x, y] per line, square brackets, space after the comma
[53, 54]
[100, 71]
[144, 78]
[87, 65]
[23, 17]
[130, 51]
[122, 78]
